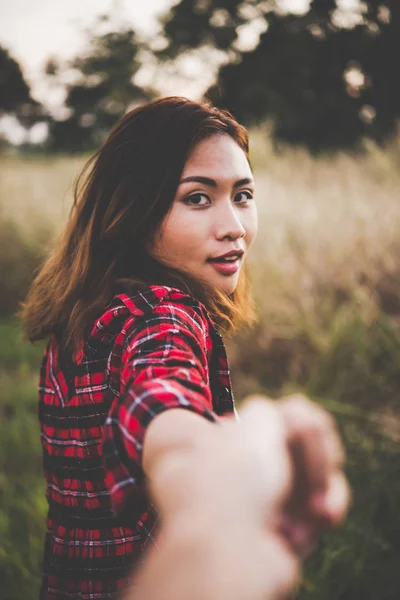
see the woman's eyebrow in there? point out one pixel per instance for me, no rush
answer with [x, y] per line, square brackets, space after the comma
[213, 183]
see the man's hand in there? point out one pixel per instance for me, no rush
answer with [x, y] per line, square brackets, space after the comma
[244, 504]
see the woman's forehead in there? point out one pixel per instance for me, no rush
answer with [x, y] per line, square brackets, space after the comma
[215, 155]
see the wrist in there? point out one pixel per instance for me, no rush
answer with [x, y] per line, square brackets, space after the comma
[226, 560]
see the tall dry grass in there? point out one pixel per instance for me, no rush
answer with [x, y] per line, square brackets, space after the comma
[324, 266]
[36, 192]
[326, 278]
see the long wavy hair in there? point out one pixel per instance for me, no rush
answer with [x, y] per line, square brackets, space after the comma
[121, 197]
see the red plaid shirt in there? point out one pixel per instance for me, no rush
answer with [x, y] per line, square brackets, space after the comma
[147, 353]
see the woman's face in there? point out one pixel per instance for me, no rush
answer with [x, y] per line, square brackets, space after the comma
[213, 215]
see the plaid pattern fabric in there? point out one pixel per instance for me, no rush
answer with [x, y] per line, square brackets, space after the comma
[147, 353]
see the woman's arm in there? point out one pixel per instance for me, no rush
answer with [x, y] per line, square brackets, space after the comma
[164, 367]
[172, 434]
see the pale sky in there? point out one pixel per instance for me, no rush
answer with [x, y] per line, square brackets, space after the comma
[35, 29]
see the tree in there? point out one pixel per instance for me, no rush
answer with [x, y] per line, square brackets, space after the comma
[103, 92]
[15, 95]
[327, 78]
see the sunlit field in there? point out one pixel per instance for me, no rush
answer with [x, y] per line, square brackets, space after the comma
[325, 271]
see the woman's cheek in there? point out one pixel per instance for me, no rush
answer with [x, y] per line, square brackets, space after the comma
[184, 234]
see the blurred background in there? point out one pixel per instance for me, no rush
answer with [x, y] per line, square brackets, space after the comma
[318, 84]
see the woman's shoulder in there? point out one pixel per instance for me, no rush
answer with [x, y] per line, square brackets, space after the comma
[147, 299]
[155, 305]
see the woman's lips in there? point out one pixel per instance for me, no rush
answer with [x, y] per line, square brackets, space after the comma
[226, 268]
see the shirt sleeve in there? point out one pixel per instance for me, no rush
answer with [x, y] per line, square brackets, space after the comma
[164, 366]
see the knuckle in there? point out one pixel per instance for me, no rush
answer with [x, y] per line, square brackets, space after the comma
[325, 419]
[298, 399]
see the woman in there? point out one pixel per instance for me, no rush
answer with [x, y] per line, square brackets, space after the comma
[149, 271]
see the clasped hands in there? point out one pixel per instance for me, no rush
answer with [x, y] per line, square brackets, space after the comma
[253, 496]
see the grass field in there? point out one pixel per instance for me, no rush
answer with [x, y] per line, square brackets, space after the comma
[325, 272]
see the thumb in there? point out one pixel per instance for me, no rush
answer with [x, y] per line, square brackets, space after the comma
[265, 433]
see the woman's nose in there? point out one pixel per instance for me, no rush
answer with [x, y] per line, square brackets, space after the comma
[229, 225]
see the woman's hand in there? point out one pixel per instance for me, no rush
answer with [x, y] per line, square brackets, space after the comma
[319, 495]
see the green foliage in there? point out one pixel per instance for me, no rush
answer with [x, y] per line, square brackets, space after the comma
[19, 260]
[22, 500]
[14, 350]
[302, 74]
[360, 560]
[15, 96]
[103, 92]
[190, 25]
[352, 368]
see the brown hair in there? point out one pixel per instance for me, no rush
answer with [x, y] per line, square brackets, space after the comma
[121, 197]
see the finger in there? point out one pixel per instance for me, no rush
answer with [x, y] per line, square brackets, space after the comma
[332, 505]
[327, 510]
[301, 535]
[315, 443]
[266, 439]
[284, 572]
[301, 413]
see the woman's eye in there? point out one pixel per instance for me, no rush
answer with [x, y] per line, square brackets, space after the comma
[243, 197]
[197, 200]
